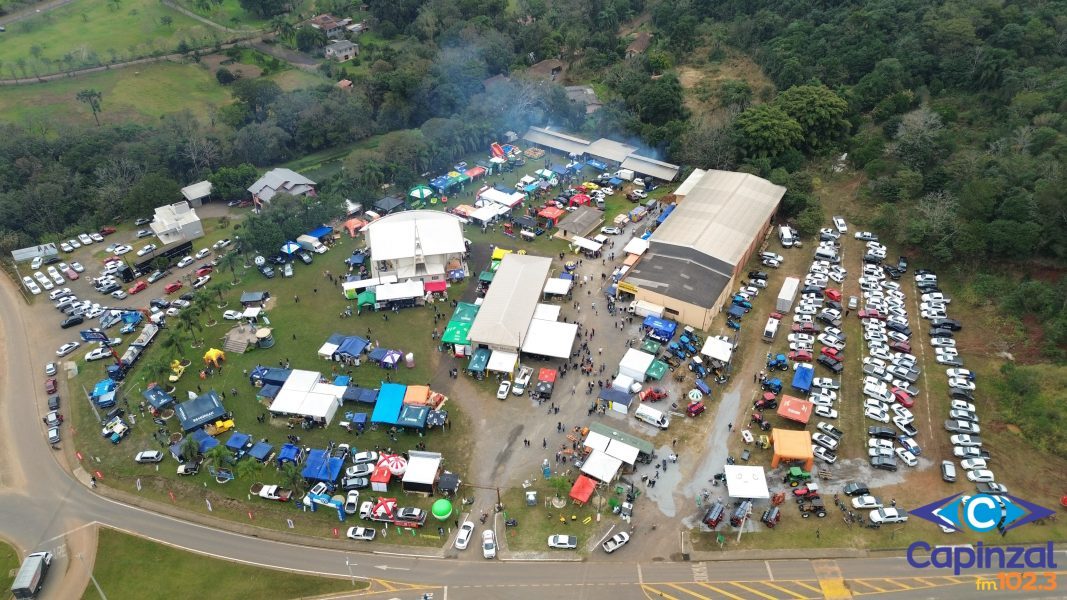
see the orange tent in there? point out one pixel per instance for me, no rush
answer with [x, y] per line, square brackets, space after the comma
[552, 214]
[795, 409]
[792, 445]
[464, 210]
[354, 225]
[582, 490]
[417, 394]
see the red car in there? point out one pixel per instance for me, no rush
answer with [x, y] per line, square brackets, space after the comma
[800, 356]
[107, 230]
[832, 294]
[805, 327]
[172, 287]
[899, 346]
[831, 352]
[138, 287]
[50, 385]
[871, 314]
[903, 398]
[653, 394]
[204, 270]
[775, 315]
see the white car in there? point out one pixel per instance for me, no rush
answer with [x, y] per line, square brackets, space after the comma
[488, 544]
[973, 464]
[879, 443]
[825, 412]
[221, 244]
[963, 415]
[352, 502]
[825, 441]
[201, 281]
[73, 243]
[826, 383]
[119, 295]
[611, 230]
[77, 267]
[831, 342]
[839, 223]
[961, 384]
[67, 348]
[866, 236]
[185, 262]
[97, 354]
[123, 249]
[866, 501]
[874, 414]
[963, 439]
[880, 451]
[902, 413]
[463, 538]
[232, 315]
[148, 456]
[617, 541]
[202, 253]
[502, 391]
[960, 373]
[146, 249]
[64, 246]
[363, 534]
[96, 237]
[980, 476]
[827, 456]
[85, 239]
[801, 337]
[962, 405]
[820, 400]
[562, 542]
[936, 297]
[56, 294]
[907, 457]
[888, 515]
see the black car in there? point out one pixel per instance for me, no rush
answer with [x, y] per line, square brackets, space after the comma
[924, 272]
[188, 296]
[831, 363]
[811, 289]
[899, 328]
[757, 275]
[159, 302]
[941, 332]
[354, 483]
[960, 394]
[928, 287]
[72, 321]
[854, 488]
[952, 324]
[111, 287]
[884, 463]
[267, 271]
[872, 259]
[902, 264]
[882, 433]
[994, 489]
[53, 403]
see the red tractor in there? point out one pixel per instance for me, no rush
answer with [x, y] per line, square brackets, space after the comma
[768, 401]
[757, 418]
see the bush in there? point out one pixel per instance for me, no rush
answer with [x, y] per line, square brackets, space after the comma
[224, 76]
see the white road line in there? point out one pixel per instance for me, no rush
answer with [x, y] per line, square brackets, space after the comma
[68, 532]
[770, 575]
[640, 575]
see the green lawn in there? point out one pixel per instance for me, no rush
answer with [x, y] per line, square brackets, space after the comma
[93, 32]
[9, 561]
[143, 94]
[228, 14]
[536, 523]
[128, 567]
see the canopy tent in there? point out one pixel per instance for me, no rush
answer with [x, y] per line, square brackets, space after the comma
[264, 376]
[366, 298]
[289, 453]
[359, 394]
[380, 478]
[499, 253]
[390, 401]
[736, 311]
[474, 172]
[792, 445]
[435, 286]
[465, 312]
[420, 192]
[413, 416]
[239, 442]
[399, 291]
[495, 196]
[552, 214]
[666, 213]
[636, 246]
[550, 338]
[545, 173]
[795, 409]
[485, 213]
[621, 450]
[352, 347]
[417, 394]
[248, 298]
[356, 259]
[635, 364]
[193, 414]
[623, 383]
[320, 466]
[321, 231]
[651, 346]
[631, 260]
[582, 490]
[261, 451]
[391, 359]
[422, 471]
[157, 398]
[252, 312]
[746, 482]
[644, 446]
[378, 354]
[396, 464]
[463, 210]
[717, 349]
[456, 332]
[479, 360]
[320, 403]
[547, 312]
[388, 204]
[657, 370]
[327, 349]
[601, 466]
[596, 441]
[290, 248]
[547, 375]
[354, 225]
[351, 288]
[579, 200]
[502, 361]
[586, 244]
[486, 276]
[557, 286]
[660, 329]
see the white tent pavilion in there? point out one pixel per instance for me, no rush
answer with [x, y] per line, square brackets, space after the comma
[550, 338]
[746, 482]
[601, 466]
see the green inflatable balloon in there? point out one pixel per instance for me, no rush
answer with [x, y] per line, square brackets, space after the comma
[441, 509]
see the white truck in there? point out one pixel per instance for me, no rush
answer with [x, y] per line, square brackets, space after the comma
[311, 244]
[784, 303]
[624, 174]
[642, 308]
[30, 576]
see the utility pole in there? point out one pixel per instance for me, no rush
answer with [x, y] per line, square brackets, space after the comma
[99, 590]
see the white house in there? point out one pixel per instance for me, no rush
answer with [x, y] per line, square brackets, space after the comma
[280, 180]
[420, 245]
[177, 223]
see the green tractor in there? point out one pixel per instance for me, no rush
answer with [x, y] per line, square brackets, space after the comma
[796, 476]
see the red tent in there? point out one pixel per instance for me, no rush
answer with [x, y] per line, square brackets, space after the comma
[580, 200]
[795, 409]
[475, 172]
[582, 490]
[435, 286]
[552, 214]
[379, 480]
[547, 375]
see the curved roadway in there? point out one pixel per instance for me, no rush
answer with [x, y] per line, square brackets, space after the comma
[43, 505]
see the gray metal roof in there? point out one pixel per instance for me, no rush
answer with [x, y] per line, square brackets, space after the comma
[721, 215]
[610, 150]
[679, 278]
[556, 140]
[583, 220]
[280, 180]
[649, 166]
[509, 305]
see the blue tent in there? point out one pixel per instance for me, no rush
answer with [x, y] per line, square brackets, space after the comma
[378, 354]
[265, 375]
[660, 329]
[615, 181]
[289, 453]
[336, 339]
[261, 451]
[321, 232]
[355, 393]
[342, 380]
[204, 441]
[269, 391]
[353, 346]
[239, 441]
[663, 215]
[290, 247]
[196, 413]
[559, 169]
[320, 466]
[390, 401]
[596, 164]
[611, 395]
[413, 416]
[157, 398]
[356, 259]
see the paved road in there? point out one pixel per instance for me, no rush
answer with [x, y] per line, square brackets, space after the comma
[42, 506]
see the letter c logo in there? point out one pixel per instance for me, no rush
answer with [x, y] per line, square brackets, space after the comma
[982, 513]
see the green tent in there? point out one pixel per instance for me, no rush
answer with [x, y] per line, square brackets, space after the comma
[420, 192]
[366, 298]
[650, 346]
[479, 360]
[657, 370]
[487, 276]
[457, 332]
[465, 312]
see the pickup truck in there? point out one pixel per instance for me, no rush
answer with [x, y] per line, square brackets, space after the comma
[271, 492]
[218, 427]
[523, 380]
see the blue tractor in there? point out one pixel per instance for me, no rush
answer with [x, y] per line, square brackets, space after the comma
[773, 385]
[777, 362]
[697, 366]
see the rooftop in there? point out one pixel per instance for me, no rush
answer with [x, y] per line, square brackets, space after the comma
[679, 278]
[640, 43]
[509, 305]
[610, 150]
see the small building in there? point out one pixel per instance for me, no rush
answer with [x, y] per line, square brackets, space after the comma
[639, 44]
[584, 95]
[197, 193]
[257, 299]
[547, 69]
[345, 84]
[329, 25]
[420, 245]
[341, 50]
[177, 223]
[357, 28]
[280, 180]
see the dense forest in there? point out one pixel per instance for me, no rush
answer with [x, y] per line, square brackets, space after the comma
[953, 111]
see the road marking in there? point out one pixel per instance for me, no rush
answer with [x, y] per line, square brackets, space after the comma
[721, 591]
[700, 572]
[896, 582]
[782, 589]
[864, 583]
[690, 592]
[70, 531]
[810, 587]
[651, 590]
[748, 589]
[770, 575]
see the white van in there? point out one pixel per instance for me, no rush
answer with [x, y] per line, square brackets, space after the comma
[770, 330]
[785, 234]
[825, 253]
[652, 416]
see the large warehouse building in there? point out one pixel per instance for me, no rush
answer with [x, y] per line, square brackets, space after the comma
[509, 305]
[613, 154]
[694, 259]
[423, 245]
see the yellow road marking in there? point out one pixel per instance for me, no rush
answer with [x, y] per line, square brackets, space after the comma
[721, 591]
[388, 586]
[926, 581]
[956, 580]
[691, 593]
[895, 582]
[748, 589]
[810, 587]
[834, 589]
[870, 585]
[648, 589]
[782, 589]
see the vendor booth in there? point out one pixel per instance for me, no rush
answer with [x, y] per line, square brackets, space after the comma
[790, 446]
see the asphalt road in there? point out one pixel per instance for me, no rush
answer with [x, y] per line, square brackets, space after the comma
[42, 504]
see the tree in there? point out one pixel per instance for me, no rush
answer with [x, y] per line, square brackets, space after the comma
[92, 98]
[916, 139]
[152, 190]
[230, 261]
[256, 96]
[219, 289]
[261, 143]
[766, 131]
[246, 469]
[291, 477]
[166, 21]
[225, 76]
[659, 101]
[282, 27]
[819, 111]
[810, 219]
[190, 448]
[265, 8]
[309, 38]
[161, 263]
[174, 340]
[156, 369]
[231, 183]
[220, 456]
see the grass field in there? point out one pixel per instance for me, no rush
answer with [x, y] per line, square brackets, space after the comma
[133, 94]
[93, 32]
[129, 566]
[228, 14]
[9, 561]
